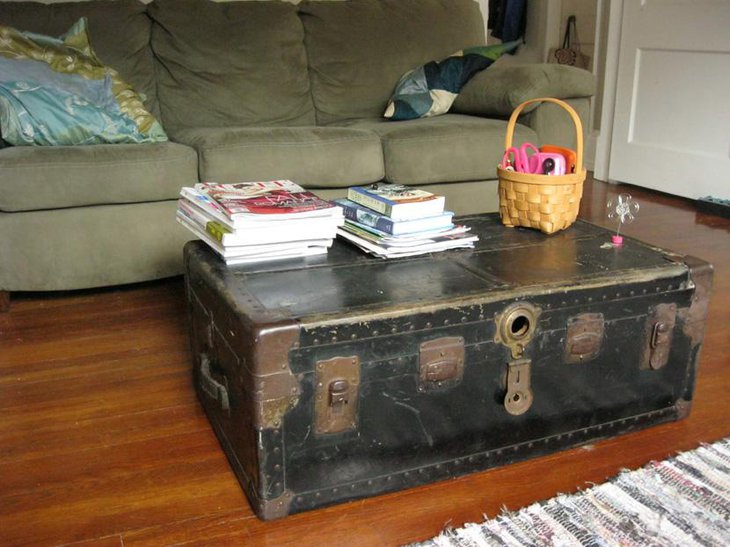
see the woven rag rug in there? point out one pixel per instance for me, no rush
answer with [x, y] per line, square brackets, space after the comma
[681, 501]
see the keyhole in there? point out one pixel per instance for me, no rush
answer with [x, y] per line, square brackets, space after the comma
[520, 326]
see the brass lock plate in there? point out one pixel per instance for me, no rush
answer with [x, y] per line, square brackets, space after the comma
[658, 335]
[337, 383]
[516, 326]
[584, 337]
[441, 363]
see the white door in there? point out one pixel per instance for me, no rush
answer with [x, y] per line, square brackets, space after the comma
[671, 128]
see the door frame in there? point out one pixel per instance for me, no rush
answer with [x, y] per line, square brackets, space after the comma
[608, 109]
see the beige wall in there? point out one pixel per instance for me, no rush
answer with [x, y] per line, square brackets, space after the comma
[585, 12]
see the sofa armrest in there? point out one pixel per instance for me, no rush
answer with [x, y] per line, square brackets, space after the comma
[498, 90]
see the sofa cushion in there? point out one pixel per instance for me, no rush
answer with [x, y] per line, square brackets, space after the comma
[311, 156]
[359, 49]
[230, 64]
[448, 148]
[119, 33]
[53, 177]
[502, 88]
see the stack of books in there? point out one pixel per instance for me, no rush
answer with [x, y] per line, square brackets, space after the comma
[256, 221]
[393, 220]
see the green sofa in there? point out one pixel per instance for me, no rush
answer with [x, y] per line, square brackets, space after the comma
[254, 91]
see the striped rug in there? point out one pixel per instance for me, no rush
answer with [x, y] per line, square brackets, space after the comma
[682, 501]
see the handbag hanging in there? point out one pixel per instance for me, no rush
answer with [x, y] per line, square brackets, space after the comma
[570, 53]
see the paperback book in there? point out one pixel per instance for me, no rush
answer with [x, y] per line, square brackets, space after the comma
[363, 216]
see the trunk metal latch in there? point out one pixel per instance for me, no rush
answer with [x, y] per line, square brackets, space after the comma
[659, 332]
[441, 363]
[336, 394]
[515, 328]
[584, 336]
[518, 399]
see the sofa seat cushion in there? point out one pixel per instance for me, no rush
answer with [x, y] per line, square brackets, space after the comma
[448, 148]
[311, 156]
[226, 64]
[54, 177]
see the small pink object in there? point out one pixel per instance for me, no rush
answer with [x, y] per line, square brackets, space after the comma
[617, 240]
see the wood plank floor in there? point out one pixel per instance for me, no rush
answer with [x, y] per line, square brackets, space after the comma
[102, 441]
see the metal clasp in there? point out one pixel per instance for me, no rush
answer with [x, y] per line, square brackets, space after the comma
[339, 395]
[518, 398]
[659, 331]
[441, 363]
[336, 394]
[584, 337]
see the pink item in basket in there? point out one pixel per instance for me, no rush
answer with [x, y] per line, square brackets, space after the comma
[546, 163]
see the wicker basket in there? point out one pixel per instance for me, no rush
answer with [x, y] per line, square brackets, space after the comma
[548, 203]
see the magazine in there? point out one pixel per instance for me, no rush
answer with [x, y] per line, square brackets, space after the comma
[462, 240]
[280, 198]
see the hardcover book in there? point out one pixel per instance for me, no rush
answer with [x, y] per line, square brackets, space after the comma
[397, 201]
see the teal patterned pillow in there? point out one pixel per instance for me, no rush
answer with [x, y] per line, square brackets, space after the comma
[431, 89]
[56, 91]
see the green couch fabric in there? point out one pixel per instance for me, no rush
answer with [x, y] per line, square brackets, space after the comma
[119, 31]
[359, 49]
[499, 90]
[448, 148]
[313, 156]
[84, 247]
[555, 126]
[230, 64]
[52, 177]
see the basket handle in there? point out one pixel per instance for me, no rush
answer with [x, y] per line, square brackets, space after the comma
[568, 109]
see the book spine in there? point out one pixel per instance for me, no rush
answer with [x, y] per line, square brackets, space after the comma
[371, 219]
[353, 194]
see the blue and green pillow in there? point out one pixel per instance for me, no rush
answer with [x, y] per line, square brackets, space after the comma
[431, 89]
[56, 91]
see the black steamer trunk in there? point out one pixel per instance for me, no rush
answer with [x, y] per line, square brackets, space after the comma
[334, 378]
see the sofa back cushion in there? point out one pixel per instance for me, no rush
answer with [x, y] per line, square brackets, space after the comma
[230, 64]
[119, 32]
[359, 49]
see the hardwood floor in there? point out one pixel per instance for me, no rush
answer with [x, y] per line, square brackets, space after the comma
[102, 441]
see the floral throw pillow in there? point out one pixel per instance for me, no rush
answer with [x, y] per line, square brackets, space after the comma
[431, 89]
[56, 91]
